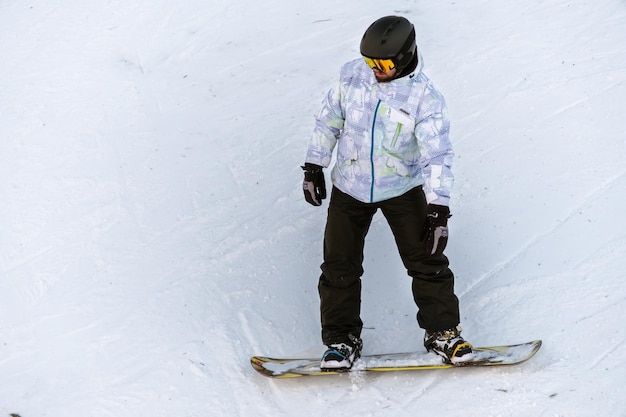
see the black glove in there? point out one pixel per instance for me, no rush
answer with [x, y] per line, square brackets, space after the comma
[314, 184]
[436, 228]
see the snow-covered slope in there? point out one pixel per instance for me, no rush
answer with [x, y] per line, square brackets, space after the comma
[153, 234]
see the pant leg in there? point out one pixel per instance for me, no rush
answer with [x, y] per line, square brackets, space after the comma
[340, 283]
[433, 281]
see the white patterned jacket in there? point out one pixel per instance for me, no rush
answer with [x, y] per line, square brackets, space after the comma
[390, 136]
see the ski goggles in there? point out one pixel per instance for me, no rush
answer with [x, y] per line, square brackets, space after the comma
[383, 65]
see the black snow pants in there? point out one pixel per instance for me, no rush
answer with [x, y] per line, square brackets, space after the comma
[344, 239]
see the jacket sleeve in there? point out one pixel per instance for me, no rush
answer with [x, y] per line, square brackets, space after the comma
[329, 122]
[432, 133]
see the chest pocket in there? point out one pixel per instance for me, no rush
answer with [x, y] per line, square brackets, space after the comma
[399, 128]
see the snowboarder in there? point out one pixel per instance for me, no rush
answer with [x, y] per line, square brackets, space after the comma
[389, 124]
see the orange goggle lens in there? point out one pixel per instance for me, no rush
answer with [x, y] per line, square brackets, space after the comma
[383, 65]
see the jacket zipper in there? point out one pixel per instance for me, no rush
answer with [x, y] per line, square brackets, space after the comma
[372, 151]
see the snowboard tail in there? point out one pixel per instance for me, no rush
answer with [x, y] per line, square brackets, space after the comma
[412, 361]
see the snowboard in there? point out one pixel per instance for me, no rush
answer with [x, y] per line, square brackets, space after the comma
[411, 361]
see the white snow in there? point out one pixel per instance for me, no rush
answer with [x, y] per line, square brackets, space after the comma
[153, 233]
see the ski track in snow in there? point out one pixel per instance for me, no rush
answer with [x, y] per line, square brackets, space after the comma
[587, 200]
[154, 236]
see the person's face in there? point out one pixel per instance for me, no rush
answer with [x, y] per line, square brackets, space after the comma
[384, 69]
[383, 77]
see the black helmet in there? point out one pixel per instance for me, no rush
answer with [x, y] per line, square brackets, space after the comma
[390, 37]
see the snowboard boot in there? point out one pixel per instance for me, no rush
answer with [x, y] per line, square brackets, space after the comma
[449, 345]
[341, 356]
